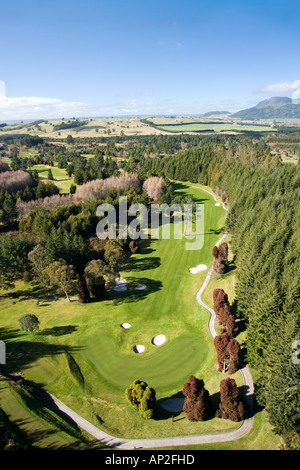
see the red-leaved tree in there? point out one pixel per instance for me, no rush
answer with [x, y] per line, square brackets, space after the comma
[220, 255]
[223, 311]
[227, 349]
[230, 406]
[197, 405]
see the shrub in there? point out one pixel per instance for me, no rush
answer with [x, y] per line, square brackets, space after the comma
[29, 322]
[142, 398]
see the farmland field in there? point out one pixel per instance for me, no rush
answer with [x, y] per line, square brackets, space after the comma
[226, 127]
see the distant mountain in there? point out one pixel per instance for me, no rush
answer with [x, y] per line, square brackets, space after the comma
[214, 113]
[272, 108]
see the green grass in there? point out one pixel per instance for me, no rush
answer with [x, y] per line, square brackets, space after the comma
[83, 357]
[60, 176]
[35, 425]
[215, 127]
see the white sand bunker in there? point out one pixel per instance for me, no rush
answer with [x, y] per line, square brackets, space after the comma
[217, 204]
[200, 267]
[120, 284]
[125, 325]
[172, 404]
[138, 348]
[158, 340]
[141, 287]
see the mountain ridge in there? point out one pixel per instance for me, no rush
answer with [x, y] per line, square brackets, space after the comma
[271, 108]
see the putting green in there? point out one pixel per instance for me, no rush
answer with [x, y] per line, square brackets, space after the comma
[167, 365]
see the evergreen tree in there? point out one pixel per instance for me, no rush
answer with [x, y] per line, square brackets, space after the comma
[82, 289]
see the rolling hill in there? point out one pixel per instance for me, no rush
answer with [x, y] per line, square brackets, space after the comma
[272, 108]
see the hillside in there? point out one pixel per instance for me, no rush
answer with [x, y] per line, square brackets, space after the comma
[272, 108]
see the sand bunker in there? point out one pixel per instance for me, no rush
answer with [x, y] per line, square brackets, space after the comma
[141, 287]
[217, 204]
[158, 340]
[174, 405]
[120, 284]
[138, 348]
[200, 267]
[125, 325]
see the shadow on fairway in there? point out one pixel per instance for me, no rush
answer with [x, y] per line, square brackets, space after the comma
[143, 264]
[36, 293]
[23, 349]
[132, 294]
[59, 330]
[215, 231]
[182, 188]
[145, 247]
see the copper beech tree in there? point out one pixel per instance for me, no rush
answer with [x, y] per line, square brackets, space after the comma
[197, 405]
[220, 255]
[227, 349]
[230, 406]
[223, 311]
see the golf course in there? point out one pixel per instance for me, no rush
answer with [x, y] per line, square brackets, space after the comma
[84, 356]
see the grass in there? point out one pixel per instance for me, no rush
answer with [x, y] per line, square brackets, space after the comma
[60, 176]
[105, 127]
[226, 127]
[34, 425]
[82, 356]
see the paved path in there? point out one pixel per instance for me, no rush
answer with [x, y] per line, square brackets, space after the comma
[167, 442]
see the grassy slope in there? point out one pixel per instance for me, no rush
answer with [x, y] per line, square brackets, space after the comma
[216, 128]
[103, 351]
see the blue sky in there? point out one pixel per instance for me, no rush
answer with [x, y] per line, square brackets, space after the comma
[97, 57]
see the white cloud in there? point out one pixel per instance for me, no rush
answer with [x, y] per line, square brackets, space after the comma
[283, 87]
[33, 107]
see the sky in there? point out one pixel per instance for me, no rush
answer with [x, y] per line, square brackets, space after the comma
[88, 58]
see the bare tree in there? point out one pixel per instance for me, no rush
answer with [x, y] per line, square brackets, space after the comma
[154, 187]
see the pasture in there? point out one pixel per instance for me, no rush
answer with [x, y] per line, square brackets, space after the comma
[216, 127]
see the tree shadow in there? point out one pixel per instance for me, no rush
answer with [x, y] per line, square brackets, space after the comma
[163, 414]
[251, 405]
[143, 264]
[216, 231]
[132, 294]
[230, 268]
[181, 188]
[145, 247]
[22, 352]
[35, 292]
[59, 330]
